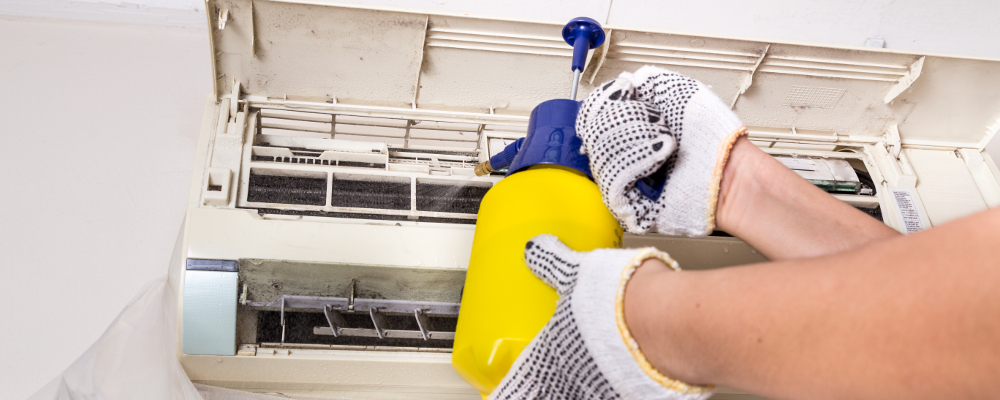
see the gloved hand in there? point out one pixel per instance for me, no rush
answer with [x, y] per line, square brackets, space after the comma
[586, 350]
[703, 127]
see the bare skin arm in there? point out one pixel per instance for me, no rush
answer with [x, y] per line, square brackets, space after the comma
[782, 215]
[896, 317]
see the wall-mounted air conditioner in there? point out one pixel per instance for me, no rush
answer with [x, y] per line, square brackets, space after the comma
[334, 202]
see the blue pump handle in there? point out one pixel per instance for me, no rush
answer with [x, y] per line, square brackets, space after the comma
[551, 137]
[583, 34]
[652, 186]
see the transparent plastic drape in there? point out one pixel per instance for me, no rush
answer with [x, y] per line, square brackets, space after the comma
[136, 357]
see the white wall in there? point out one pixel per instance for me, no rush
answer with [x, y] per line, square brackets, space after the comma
[99, 123]
[176, 13]
[175, 4]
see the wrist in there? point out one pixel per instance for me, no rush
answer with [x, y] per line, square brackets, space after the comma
[647, 318]
[588, 333]
[739, 185]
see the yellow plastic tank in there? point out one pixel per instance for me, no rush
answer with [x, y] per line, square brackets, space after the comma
[503, 304]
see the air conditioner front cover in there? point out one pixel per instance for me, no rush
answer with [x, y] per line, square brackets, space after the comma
[351, 55]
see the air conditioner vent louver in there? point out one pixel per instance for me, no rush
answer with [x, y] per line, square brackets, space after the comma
[354, 322]
[303, 327]
[363, 167]
[397, 133]
[313, 161]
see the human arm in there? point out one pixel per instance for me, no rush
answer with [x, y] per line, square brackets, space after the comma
[759, 200]
[909, 317]
[783, 216]
[657, 128]
[852, 309]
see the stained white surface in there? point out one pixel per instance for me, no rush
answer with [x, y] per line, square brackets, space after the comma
[96, 176]
[953, 27]
[946, 187]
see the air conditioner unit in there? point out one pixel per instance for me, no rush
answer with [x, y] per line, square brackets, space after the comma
[333, 203]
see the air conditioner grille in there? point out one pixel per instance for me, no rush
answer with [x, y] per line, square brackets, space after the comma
[449, 198]
[316, 163]
[287, 190]
[370, 194]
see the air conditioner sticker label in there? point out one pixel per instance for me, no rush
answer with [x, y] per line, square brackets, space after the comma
[906, 208]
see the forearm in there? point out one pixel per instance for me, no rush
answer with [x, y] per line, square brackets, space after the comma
[911, 317]
[784, 216]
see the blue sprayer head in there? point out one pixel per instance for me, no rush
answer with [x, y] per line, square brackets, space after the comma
[552, 135]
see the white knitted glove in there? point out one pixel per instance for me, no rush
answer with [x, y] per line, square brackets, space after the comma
[704, 129]
[626, 140]
[586, 351]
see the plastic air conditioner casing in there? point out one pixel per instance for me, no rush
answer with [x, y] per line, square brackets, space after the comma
[336, 155]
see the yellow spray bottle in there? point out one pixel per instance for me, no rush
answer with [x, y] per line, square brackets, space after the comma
[548, 189]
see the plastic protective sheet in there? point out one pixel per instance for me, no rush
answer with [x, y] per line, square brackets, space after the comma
[136, 357]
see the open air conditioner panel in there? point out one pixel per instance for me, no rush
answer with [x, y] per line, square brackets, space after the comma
[334, 200]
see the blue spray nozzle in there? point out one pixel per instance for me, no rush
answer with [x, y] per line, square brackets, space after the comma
[503, 159]
[583, 34]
